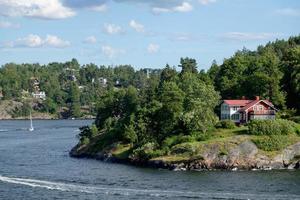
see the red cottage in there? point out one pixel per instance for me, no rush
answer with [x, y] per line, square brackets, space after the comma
[241, 111]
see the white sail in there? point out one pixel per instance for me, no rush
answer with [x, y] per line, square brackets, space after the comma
[31, 125]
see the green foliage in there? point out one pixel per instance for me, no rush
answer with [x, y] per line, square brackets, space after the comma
[50, 106]
[271, 142]
[94, 130]
[188, 65]
[84, 141]
[199, 104]
[226, 124]
[130, 135]
[145, 152]
[286, 113]
[74, 104]
[271, 127]
[22, 111]
[176, 139]
[295, 119]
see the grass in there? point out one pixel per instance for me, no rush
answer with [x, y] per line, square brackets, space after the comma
[122, 151]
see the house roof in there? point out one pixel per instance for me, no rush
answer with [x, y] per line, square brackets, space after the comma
[246, 104]
[237, 102]
[254, 102]
[249, 105]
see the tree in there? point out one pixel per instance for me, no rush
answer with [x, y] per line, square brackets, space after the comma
[171, 97]
[129, 131]
[213, 71]
[188, 65]
[74, 105]
[167, 74]
[199, 103]
[269, 67]
[290, 65]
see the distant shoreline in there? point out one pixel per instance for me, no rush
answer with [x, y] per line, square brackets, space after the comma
[19, 119]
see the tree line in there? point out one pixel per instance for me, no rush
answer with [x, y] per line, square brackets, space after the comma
[272, 72]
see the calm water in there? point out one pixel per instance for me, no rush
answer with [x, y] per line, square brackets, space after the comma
[36, 165]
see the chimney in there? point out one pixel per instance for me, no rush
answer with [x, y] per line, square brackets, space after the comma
[243, 98]
[256, 97]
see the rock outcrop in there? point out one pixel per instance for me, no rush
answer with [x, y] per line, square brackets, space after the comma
[243, 155]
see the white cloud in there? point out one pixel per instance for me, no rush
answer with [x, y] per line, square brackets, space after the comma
[45, 9]
[90, 39]
[5, 24]
[35, 41]
[157, 10]
[249, 36]
[184, 7]
[137, 26]
[288, 12]
[111, 52]
[54, 41]
[182, 37]
[153, 48]
[206, 2]
[112, 29]
[99, 8]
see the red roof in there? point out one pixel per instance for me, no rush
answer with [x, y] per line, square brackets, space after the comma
[250, 104]
[255, 102]
[246, 104]
[237, 102]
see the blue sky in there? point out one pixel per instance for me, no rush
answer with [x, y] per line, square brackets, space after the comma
[142, 33]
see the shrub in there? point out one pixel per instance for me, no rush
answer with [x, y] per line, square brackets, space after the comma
[94, 130]
[295, 119]
[271, 127]
[227, 124]
[272, 142]
[199, 136]
[84, 140]
[145, 152]
[177, 139]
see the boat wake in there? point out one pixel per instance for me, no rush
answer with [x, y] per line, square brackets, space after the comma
[138, 192]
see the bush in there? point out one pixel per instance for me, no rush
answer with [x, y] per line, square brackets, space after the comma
[177, 139]
[84, 140]
[295, 119]
[271, 127]
[227, 124]
[145, 152]
[272, 142]
[199, 136]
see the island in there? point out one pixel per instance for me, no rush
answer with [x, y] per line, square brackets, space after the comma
[178, 119]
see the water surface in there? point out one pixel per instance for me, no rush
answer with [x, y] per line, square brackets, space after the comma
[36, 165]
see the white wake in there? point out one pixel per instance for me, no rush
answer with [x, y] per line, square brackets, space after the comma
[125, 191]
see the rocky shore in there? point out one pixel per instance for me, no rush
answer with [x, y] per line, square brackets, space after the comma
[242, 156]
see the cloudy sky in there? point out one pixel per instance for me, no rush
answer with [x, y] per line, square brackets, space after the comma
[144, 33]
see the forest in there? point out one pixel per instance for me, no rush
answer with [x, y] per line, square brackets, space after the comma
[272, 72]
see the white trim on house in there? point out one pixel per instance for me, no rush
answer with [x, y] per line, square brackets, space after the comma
[271, 105]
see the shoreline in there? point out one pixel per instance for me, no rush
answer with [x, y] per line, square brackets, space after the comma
[39, 118]
[286, 160]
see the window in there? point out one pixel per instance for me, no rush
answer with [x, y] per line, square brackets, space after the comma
[225, 107]
[235, 116]
[260, 107]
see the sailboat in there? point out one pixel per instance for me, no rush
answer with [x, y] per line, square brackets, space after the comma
[31, 125]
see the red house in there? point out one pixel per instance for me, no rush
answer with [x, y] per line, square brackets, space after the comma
[241, 111]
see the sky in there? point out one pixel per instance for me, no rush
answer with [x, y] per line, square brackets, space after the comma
[143, 33]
